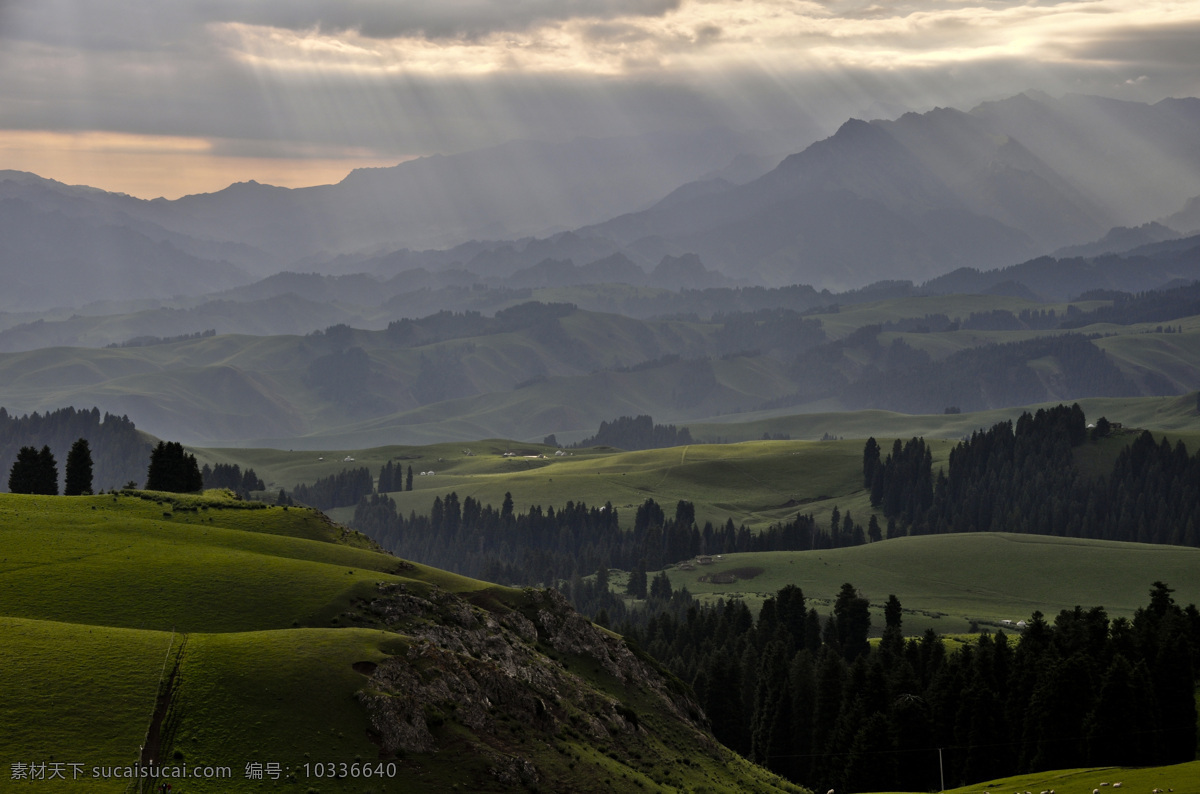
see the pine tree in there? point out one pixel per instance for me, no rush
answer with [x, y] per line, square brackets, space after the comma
[79, 469]
[853, 621]
[870, 461]
[171, 469]
[251, 482]
[637, 581]
[660, 586]
[1118, 730]
[23, 477]
[47, 473]
[387, 478]
[893, 613]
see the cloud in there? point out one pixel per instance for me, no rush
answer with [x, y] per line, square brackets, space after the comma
[436, 19]
[1172, 45]
[133, 25]
[391, 78]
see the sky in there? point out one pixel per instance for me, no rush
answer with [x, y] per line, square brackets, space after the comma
[188, 96]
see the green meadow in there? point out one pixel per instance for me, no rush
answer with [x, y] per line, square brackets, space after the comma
[247, 615]
[757, 483]
[275, 697]
[946, 582]
[76, 694]
[227, 642]
[1177, 777]
[243, 608]
[745, 479]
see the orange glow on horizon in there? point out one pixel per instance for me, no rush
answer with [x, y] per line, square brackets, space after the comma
[151, 167]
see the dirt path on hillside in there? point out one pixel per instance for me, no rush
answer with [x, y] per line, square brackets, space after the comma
[167, 685]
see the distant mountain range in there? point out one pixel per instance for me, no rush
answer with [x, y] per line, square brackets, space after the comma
[301, 303]
[913, 198]
[921, 195]
[121, 246]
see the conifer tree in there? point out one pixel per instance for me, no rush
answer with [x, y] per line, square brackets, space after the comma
[23, 477]
[47, 473]
[172, 469]
[660, 586]
[637, 581]
[853, 621]
[79, 469]
[251, 482]
[870, 461]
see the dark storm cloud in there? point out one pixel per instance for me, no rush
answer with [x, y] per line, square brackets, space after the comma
[300, 78]
[1175, 46]
[135, 25]
[430, 18]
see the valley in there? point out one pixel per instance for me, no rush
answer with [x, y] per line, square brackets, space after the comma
[709, 460]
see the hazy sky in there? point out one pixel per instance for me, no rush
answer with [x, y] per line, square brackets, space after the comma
[183, 96]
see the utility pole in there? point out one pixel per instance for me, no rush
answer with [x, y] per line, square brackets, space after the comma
[941, 769]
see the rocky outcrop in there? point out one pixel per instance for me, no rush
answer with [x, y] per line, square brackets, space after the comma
[531, 668]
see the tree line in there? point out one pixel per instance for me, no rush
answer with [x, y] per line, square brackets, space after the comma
[392, 477]
[808, 697]
[1144, 307]
[546, 546]
[36, 471]
[119, 452]
[174, 469]
[640, 432]
[1024, 478]
[231, 476]
[343, 489]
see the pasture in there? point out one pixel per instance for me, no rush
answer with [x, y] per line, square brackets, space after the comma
[1176, 777]
[103, 597]
[946, 582]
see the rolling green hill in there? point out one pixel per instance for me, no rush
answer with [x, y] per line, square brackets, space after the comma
[945, 582]
[754, 482]
[263, 645]
[1176, 777]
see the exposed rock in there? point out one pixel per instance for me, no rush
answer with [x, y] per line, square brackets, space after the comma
[477, 667]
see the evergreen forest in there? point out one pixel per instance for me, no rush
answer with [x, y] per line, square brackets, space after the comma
[119, 453]
[808, 697]
[806, 694]
[1024, 478]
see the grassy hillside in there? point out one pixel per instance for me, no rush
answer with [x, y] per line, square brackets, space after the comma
[752, 481]
[1177, 777]
[1177, 415]
[216, 633]
[946, 581]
